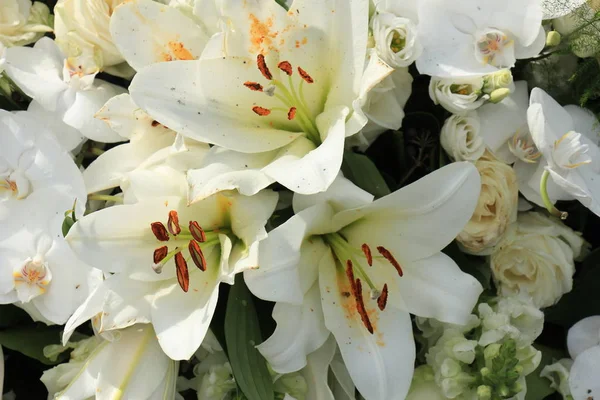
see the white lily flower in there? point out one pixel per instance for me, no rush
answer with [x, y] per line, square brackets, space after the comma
[148, 246]
[131, 366]
[321, 271]
[31, 160]
[475, 37]
[146, 32]
[567, 138]
[583, 341]
[262, 85]
[47, 76]
[23, 22]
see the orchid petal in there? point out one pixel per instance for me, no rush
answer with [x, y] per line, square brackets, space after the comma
[583, 335]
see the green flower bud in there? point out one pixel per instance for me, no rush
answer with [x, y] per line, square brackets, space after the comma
[553, 39]
[499, 94]
[497, 80]
[503, 391]
[492, 351]
[484, 392]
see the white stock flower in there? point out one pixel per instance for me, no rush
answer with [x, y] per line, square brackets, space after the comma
[82, 31]
[567, 138]
[423, 385]
[144, 245]
[460, 137]
[535, 258]
[45, 75]
[22, 22]
[583, 341]
[355, 268]
[496, 208]
[262, 84]
[458, 95]
[130, 366]
[477, 37]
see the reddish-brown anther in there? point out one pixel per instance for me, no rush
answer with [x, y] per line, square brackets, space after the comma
[350, 275]
[292, 113]
[367, 251]
[257, 87]
[159, 231]
[304, 75]
[360, 307]
[286, 67]
[183, 275]
[197, 255]
[382, 299]
[197, 232]
[262, 67]
[388, 256]
[263, 112]
[173, 223]
[160, 254]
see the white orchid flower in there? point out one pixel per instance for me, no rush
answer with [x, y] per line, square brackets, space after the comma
[356, 268]
[39, 272]
[148, 246]
[272, 78]
[475, 37]
[48, 77]
[32, 160]
[567, 138]
[130, 366]
[583, 341]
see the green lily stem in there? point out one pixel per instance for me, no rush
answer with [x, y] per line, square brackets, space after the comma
[105, 197]
[546, 199]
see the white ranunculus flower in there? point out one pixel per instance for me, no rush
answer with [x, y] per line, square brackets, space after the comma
[458, 95]
[82, 31]
[535, 258]
[129, 366]
[473, 37]
[355, 268]
[22, 22]
[460, 137]
[396, 39]
[496, 209]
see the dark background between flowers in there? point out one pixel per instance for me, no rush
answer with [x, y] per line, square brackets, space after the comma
[396, 159]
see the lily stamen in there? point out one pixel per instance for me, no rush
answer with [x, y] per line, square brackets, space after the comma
[173, 223]
[382, 300]
[197, 255]
[255, 86]
[159, 231]
[286, 67]
[388, 256]
[304, 75]
[160, 254]
[367, 251]
[360, 307]
[292, 113]
[263, 112]
[183, 276]
[197, 232]
[262, 67]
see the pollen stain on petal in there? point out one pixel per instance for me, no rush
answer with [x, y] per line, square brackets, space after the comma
[261, 34]
[180, 52]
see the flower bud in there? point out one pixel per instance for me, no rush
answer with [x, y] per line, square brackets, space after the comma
[499, 94]
[497, 80]
[484, 392]
[553, 39]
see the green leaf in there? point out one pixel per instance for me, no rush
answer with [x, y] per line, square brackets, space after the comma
[242, 334]
[68, 222]
[364, 174]
[31, 340]
[538, 387]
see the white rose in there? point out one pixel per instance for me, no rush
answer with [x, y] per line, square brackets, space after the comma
[496, 209]
[458, 95]
[535, 257]
[82, 30]
[460, 137]
[23, 23]
[396, 39]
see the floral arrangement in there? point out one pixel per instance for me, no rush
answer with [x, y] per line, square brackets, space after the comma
[300, 200]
